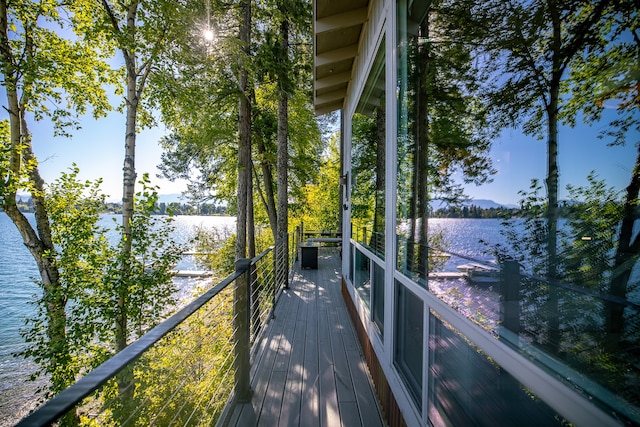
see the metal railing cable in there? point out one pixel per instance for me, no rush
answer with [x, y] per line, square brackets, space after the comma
[181, 371]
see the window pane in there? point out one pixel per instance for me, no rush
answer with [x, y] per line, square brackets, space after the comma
[362, 276]
[378, 297]
[466, 388]
[409, 345]
[368, 161]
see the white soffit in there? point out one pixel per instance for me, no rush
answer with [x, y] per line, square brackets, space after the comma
[337, 29]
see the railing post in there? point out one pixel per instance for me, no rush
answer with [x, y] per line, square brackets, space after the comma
[241, 331]
[284, 260]
[510, 299]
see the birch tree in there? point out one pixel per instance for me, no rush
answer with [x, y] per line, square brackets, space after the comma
[48, 73]
[141, 30]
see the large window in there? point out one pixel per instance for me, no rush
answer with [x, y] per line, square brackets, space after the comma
[518, 186]
[368, 161]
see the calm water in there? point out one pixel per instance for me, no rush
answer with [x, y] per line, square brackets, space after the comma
[464, 236]
[17, 290]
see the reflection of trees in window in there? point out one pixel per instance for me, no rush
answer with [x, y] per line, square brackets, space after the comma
[442, 124]
[368, 159]
[368, 168]
[607, 79]
[559, 62]
[588, 239]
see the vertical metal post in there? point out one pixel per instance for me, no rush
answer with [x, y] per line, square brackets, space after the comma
[284, 267]
[241, 331]
[510, 300]
[277, 271]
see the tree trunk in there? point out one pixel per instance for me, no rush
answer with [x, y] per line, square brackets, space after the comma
[132, 99]
[244, 131]
[423, 103]
[553, 315]
[269, 200]
[283, 152]
[38, 241]
[128, 190]
[626, 254]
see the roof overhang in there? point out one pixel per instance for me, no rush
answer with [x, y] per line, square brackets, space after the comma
[337, 29]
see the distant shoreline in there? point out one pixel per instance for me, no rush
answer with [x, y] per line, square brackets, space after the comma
[25, 205]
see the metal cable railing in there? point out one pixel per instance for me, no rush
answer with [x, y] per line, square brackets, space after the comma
[185, 370]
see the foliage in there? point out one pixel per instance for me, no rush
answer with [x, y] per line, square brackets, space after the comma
[186, 377]
[81, 255]
[216, 248]
[11, 180]
[439, 244]
[294, 72]
[203, 146]
[142, 32]
[87, 280]
[459, 126]
[319, 207]
[58, 72]
[196, 364]
[607, 77]
[533, 44]
[526, 236]
[590, 239]
[74, 209]
[586, 270]
[148, 287]
[363, 161]
[305, 144]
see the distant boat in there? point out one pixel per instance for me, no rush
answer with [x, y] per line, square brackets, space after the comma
[479, 273]
[192, 273]
[437, 253]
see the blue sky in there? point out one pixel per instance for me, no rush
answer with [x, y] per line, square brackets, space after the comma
[519, 158]
[98, 150]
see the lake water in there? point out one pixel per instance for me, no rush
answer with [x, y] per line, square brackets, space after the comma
[17, 291]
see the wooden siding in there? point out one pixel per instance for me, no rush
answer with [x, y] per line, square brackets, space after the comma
[390, 408]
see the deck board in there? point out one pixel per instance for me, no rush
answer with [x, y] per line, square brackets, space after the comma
[310, 396]
[308, 370]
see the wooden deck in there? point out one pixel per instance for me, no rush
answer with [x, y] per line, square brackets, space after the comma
[309, 369]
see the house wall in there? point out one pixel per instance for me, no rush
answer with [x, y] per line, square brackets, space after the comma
[476, 357]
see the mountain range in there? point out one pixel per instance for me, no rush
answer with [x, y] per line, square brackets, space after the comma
[481, 203]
